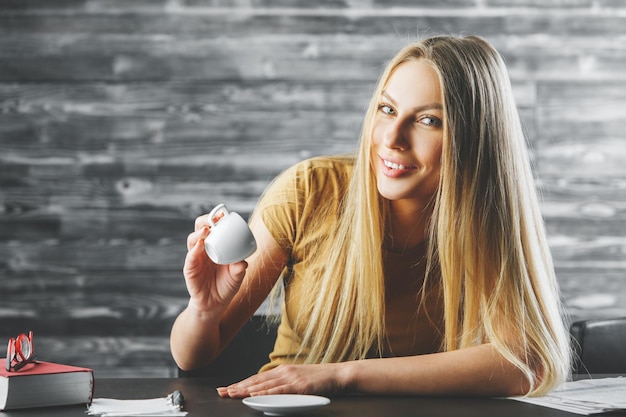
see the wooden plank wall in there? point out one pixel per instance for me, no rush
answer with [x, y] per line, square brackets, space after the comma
[122, 120]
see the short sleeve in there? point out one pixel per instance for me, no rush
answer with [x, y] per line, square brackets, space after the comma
[279, 206]
[301, 204]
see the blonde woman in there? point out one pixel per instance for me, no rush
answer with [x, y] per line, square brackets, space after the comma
[417, 266]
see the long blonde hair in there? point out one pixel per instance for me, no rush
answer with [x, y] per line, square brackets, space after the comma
[496, 271]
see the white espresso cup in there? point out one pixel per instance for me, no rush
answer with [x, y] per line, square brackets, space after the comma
[230, 240]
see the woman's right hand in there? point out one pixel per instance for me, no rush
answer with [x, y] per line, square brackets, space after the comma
[222, 297]
[210, 286]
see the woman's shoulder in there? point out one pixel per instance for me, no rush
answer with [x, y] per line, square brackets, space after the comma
[327, 162]
[320, 169]
[309, 178]
[302, 194]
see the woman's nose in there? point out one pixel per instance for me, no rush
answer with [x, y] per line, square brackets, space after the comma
[395, 136]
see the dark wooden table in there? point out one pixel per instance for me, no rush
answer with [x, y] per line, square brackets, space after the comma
[202, 400]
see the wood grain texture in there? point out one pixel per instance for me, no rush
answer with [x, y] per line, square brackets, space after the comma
[121, 121]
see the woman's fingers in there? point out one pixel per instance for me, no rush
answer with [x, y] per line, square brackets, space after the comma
[196, 236]
[260, 384]
[203, 221]
[237, 270]
[286, 379]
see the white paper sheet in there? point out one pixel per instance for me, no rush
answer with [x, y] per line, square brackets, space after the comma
[586, 397]
[109, 407]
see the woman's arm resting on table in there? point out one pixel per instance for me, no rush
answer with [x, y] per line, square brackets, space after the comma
[478, 370]
[222, 297]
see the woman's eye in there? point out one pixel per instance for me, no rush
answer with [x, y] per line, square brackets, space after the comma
[386, 109]
[430, 121]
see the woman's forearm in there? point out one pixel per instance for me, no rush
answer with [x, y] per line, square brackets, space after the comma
[478, 370]
[195, 338]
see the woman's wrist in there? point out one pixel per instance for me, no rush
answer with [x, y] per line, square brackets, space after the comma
[201, 312]
[347, 376]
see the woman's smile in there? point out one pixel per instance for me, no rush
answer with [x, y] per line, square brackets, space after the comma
[393, 169]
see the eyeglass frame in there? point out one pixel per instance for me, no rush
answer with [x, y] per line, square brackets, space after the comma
[15, 351]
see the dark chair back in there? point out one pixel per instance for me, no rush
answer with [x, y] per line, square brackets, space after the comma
[600, 346]
[245, 354]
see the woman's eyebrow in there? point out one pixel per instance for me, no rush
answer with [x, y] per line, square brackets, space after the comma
[429, 106]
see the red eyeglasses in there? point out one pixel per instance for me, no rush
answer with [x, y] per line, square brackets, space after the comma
[20, 352]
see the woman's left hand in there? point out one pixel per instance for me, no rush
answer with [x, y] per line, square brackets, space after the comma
[289, 379]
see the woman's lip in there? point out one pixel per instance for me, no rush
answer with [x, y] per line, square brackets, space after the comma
[387, 163]
[394, 169]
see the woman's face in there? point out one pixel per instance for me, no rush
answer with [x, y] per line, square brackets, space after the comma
[407, 135]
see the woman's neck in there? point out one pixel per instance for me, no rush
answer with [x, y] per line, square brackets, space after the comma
[407, 225]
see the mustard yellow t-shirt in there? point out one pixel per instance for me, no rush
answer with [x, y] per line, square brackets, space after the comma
[290, 209]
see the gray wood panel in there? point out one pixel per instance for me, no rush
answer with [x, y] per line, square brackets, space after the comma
[121, 121]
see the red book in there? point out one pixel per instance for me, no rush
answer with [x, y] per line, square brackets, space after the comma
[45, 384]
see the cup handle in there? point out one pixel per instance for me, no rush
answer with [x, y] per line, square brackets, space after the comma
[217, 209]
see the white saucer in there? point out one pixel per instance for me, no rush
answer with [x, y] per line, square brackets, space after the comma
[279, 405]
